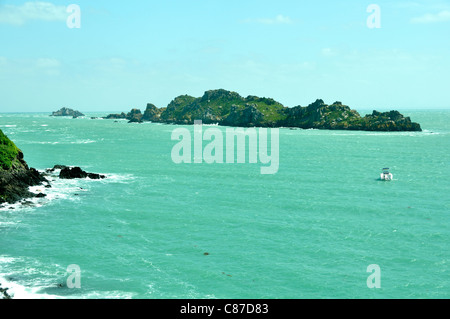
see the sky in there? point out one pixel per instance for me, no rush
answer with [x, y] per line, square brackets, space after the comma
[128, 54]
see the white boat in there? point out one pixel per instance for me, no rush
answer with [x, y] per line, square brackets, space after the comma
[386, 175]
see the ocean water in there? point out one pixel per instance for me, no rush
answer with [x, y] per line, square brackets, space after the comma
[155, 229]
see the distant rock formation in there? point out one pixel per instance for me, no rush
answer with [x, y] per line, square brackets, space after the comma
[116, 116]
[134, 116]
[337, 116]
[15, 175]
[230, 109]
[67, 112]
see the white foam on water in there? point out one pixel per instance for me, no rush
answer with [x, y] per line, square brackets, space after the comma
[60, 142]
[17, 290]
[109, 295]
[61, 189]
[65, 189]
[83, 142]
[118, 178]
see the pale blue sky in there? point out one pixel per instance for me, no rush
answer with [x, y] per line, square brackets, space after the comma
[127, 54]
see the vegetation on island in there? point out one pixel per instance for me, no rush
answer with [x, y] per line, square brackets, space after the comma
[8, 152]
[15, 175]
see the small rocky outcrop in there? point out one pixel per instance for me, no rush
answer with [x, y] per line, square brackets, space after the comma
[77, 172]
[67, 112]
[134, 116]
[116, 116]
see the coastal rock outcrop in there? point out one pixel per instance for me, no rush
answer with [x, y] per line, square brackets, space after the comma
[15, 175]
[77, 172]
[67, 112]
[229, 108]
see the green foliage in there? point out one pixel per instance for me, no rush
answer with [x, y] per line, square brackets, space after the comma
[8, 152]
[216, 105]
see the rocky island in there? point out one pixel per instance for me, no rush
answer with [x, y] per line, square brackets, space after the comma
[67, 112]
[230, 109]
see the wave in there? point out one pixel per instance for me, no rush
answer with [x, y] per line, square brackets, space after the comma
[39, 281]
[118, 178]
[83, 142]
[18, 289]
[60, 142]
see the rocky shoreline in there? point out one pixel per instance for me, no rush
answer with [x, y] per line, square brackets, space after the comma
[16, 177]
[230, 109]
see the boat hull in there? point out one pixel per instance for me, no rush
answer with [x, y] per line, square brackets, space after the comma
[387, 177]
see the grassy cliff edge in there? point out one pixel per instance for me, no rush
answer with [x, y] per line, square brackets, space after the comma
[15, 175]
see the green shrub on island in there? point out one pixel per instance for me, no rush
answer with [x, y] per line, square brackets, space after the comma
[8, 152]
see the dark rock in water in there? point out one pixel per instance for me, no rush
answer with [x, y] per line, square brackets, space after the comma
[67, 112]
[4, 293]
[40, 195]
[71, 173]
[96, 176]
[116, 116]
[77, 172]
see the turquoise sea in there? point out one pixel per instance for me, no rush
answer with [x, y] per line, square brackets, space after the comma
[155, 229]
